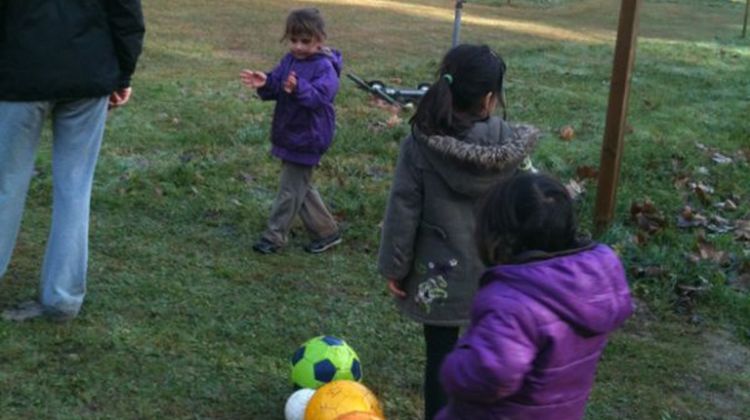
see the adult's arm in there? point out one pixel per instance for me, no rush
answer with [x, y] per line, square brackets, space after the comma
[125, 19]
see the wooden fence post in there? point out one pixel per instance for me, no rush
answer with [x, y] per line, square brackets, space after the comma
[612, 145]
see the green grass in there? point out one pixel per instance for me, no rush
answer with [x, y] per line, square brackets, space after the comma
[183, 320]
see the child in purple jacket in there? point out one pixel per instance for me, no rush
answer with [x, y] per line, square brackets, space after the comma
[542, 315]
[304, 85]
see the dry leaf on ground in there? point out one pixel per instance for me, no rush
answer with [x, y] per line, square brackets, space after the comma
[380, 103]
[393, 121]
[567, 133]
[587, 172]
[718, 224]
[727, 204]
[680, 181]
[706, 251]
[742, 230]
[689, 218]
[702, 190]
[721, 159]
[647, 217]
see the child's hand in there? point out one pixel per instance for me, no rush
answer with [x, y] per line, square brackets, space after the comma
[291, 82]
[394, 287]
[253, 79]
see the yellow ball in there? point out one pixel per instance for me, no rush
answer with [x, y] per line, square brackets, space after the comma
[359, 415]
[341, 397]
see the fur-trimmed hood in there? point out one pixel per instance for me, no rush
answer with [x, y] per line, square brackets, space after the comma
[492, 146]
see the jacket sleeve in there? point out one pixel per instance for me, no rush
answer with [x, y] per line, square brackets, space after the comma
[125, 19]
[491, 360]
[318, 91]
[270, 91]
[402, 215]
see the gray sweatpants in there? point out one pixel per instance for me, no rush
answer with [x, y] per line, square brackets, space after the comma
[297, 196]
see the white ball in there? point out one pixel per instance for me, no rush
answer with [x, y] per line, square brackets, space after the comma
[297, 403]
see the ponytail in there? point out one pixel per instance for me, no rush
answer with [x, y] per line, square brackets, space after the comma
[434, 114]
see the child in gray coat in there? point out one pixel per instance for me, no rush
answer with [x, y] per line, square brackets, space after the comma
[456, 152]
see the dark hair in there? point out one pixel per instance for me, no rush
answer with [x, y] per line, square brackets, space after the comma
[526, 212]
[467, 74]
[305, 22]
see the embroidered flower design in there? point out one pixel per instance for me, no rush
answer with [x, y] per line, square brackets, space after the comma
[435, 287]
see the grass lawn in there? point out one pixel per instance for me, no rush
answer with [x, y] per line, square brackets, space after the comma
[182, 320]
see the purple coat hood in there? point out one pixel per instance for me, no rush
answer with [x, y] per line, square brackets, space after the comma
[537, 332]
[304, 121]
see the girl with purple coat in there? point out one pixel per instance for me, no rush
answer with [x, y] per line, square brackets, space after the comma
[543, 313]
[304, 85]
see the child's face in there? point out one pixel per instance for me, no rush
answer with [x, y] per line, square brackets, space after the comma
[303, 46]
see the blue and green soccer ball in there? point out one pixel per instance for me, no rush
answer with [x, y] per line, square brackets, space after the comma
[324, 359]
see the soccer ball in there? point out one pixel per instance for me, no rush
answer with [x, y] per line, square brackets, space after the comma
[341, 398]
[323, 359]
[297, 403]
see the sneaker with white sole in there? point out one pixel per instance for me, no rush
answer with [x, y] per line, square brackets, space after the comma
[264, 246]
[320, 245]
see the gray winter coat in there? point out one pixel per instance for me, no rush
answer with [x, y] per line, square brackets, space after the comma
[428, 233]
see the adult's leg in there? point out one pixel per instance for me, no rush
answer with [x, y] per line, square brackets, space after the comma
[293, 184]
[20, 128]
[315, 215]
[78, 127]
[439, 341]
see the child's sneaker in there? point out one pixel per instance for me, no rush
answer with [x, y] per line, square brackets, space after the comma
[264, 246]
[319, 245]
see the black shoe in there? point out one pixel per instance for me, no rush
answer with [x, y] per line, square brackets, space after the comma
[32, 309]
[24, 311]
[319, 245]
[264, 246]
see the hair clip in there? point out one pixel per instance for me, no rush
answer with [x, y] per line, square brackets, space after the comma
[448, 77]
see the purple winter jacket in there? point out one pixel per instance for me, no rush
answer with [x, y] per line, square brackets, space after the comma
[305, 120]
[537, 332]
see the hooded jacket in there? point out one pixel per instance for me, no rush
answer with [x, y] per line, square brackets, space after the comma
[67, 49]
[428, 233]
[537, 332]
[304, 121]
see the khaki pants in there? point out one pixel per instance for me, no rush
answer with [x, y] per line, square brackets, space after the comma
[297, 196]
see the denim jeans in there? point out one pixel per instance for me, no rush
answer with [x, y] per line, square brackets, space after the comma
[77, 127]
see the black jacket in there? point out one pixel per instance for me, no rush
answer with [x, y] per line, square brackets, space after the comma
[58, 49]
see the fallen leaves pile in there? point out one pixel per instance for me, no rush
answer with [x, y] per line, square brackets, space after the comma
[716, 219]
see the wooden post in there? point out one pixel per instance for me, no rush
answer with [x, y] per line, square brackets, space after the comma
[744, 24]
[612, 146]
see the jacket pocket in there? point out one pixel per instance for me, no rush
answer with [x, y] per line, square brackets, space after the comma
[429, 227]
